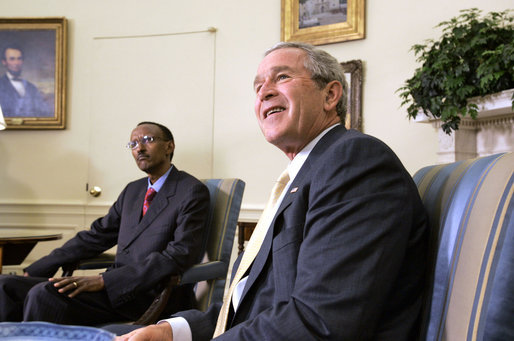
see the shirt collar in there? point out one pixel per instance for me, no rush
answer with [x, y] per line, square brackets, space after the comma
[296, 164]
[158, 184]
[11, 77]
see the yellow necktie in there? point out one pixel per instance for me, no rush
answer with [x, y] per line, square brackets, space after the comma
[253, 247]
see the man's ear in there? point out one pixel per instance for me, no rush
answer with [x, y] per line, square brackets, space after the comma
[171, 147]
[333, 92]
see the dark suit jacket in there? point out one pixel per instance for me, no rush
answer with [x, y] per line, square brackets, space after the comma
[167, 240]
[344, 257]
[30, 105]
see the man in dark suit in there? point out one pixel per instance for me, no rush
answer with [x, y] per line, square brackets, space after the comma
[19, 97]
[343, 257]
[155, 237]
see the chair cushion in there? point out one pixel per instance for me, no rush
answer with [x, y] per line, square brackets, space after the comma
[49, 331]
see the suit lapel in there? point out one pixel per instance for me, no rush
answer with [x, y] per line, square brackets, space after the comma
[300, 179]
[264, 251]
[159, 203]
[10, 88]
[137, 203]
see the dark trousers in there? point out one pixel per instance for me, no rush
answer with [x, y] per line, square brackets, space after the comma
[36, 299]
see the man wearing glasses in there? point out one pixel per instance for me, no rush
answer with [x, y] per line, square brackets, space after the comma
[157, 223]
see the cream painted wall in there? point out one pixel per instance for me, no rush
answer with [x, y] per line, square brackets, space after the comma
[43, 167]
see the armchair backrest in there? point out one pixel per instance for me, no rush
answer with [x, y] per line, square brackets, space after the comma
[471, 210]
[226, 196]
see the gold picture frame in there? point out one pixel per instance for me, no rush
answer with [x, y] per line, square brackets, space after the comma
[33, 72]
[322, 22]
[353, 72]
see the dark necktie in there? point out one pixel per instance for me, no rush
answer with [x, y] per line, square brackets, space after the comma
[150, 194]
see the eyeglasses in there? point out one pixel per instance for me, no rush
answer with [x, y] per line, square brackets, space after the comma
[144, 140]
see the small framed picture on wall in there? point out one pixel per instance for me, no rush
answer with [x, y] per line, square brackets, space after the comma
[319, 22]
[33, 72]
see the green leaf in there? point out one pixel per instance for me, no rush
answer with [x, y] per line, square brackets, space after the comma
[473, 57]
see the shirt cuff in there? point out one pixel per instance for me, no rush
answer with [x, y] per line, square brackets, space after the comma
[180, 328]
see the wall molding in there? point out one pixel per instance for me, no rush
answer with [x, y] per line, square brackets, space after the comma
[66, 218]
[21, 210]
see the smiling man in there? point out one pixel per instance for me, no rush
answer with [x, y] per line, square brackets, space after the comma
[343, 255]
[157, 223]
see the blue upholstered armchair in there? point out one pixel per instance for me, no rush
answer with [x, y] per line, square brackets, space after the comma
[226, 196]
[471, 208]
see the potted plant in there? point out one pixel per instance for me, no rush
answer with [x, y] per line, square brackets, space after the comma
[473, 57]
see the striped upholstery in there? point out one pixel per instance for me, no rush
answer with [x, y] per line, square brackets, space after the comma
[471, 206]
[226, 196]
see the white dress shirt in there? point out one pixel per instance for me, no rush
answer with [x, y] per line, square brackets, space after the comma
[158, 184]
[17, 84]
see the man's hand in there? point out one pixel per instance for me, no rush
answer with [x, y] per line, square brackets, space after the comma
[77, 284]
[154, 332]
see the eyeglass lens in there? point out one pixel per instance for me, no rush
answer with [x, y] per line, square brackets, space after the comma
[144, 140]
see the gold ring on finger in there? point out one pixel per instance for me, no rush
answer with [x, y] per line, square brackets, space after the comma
[75, 284]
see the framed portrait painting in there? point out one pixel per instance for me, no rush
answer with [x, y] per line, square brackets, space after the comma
[33, 72]
[353, 74]
[319, 22]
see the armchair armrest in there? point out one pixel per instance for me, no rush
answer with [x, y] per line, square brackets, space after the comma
[103, 260]
[204, 272]
[197, 273]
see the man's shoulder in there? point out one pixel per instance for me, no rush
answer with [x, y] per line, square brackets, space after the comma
[182, 182]
[183, 177]
[176, 175]
[350, 147]
[138, 181]
[341, 139]
[31, 88]
[4, 81]
[136, 184]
